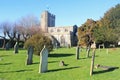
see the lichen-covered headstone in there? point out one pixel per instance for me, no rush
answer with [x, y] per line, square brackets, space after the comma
[30, 55]
[43, 67]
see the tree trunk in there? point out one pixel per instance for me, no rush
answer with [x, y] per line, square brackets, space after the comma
[3, 46]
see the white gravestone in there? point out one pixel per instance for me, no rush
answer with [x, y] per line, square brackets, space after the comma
[43, 67]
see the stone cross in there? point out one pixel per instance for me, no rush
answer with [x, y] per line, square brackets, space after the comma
[30, 55]
[93, 46]
[43, 67]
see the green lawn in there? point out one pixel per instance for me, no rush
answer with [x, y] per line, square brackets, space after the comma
[12, 66]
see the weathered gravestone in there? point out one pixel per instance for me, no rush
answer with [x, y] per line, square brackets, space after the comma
[88, 51]
[29, 55]
[93, 46]
[101, 46]
[105, 67]
[43, 67]
[16, 48]
[77, 52]
[61, 63]
[7, 46]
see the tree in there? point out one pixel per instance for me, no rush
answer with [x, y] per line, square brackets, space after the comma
[29, 26]
[8, 31]
[85, 32]
[3, 36]
[108, 26]
[38, 41]
[112, 17]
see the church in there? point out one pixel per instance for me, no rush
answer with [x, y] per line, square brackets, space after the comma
[62, 36]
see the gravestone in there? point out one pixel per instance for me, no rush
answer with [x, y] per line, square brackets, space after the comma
[88, 51]
[56, 45]
[16, 48]
[61, 63]
[93, 46]
[77, 52]
[43, 60]
[101, 45]
[105, 67]
[7, 46]
[107, 50]
[68, 46]
[29, 55]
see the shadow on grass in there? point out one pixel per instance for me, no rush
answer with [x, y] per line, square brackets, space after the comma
[4, 55]
[6, 64]
[48, 62]
[52, 61]
[54, 70]
[87, 57]
[91, 56]
[36, 63]
[17, 71]
[104, 71]
[59, 55]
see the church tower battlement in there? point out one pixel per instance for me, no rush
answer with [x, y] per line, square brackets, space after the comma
[47, 20]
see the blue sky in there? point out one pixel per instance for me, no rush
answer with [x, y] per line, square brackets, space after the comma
[68, 12]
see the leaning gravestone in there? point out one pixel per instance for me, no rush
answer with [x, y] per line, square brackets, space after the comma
[29, 55]
[93, 46]
[43, 60]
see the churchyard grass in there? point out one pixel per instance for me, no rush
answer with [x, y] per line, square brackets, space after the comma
[13, 66]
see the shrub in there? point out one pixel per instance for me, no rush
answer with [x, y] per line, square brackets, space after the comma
[38, 41]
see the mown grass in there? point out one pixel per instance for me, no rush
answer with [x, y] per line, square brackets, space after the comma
[12, 66]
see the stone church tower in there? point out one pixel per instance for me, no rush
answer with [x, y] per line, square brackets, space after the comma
[60, 35]
[47, 20]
